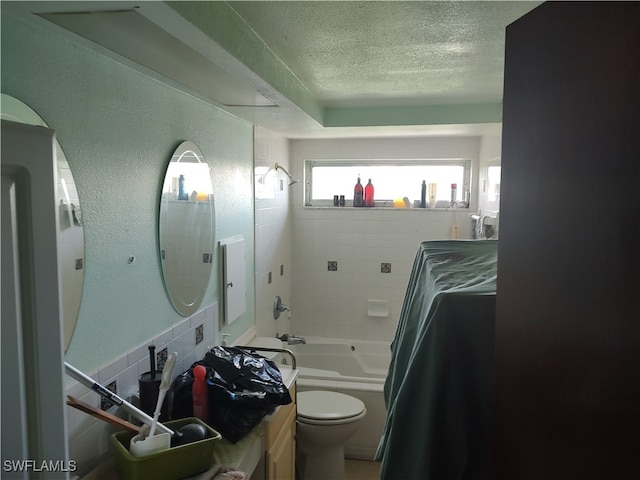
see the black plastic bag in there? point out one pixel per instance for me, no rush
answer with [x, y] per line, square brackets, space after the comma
[243, 388]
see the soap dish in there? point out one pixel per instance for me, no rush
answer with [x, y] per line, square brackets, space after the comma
[377, 308]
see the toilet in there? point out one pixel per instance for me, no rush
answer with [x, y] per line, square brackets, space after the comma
[325, 421]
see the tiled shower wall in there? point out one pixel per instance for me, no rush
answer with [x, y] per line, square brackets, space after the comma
[272, 230]
[345, 257]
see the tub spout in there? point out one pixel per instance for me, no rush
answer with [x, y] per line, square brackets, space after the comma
[291, 339]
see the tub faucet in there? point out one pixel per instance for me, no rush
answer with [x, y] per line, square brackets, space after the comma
[291, 339]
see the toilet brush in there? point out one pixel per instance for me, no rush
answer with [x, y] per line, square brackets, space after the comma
[144, 445]
[165, 383]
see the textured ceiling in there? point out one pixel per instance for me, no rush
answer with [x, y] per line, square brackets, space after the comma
[328, 68]
[389, 53]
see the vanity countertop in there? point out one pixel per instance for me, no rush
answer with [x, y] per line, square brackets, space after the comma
[243, 455]
[289, 375]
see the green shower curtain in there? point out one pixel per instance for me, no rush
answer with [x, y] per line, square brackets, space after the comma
[438, 389]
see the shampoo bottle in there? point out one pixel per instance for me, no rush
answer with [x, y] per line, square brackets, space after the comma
[182, 189]
[200, 394]
[423, 195]
[368, 195]
[358, 194]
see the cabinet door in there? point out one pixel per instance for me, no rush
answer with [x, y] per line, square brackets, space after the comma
[281, 455]
[279, 420]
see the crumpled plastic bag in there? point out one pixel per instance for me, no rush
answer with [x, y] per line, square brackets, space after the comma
[243, 387]
[230, 474]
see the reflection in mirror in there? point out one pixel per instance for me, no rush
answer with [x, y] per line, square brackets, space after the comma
[70, 229]
[493, 183]
[186, 228]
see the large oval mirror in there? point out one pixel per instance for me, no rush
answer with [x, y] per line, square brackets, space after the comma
[186, 228]
[71, 231]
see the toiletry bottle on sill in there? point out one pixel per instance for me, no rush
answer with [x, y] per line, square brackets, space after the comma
[200, 394]
[182, 189]
[423, 195]
[368, 195]
[358, 194]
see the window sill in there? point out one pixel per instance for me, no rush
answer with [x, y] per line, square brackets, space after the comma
[384, 207]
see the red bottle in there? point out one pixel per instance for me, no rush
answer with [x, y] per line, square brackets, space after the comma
[368, 195]
[200, 394]
[358, 194]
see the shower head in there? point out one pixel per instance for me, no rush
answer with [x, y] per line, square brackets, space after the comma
[291, 179]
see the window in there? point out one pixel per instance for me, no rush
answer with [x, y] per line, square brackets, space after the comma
[392, 180]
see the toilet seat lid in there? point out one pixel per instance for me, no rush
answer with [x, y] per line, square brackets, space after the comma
[324, 405]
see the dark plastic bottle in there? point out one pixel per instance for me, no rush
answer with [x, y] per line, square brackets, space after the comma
[200, 394]
[368, 195]
[358, 194]
[423, 195]
[182, 193]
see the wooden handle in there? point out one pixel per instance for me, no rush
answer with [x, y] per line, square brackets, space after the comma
[101, 414]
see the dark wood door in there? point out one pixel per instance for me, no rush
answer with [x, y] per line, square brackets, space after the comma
[567, 336]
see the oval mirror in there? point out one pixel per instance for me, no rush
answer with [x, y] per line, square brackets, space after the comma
[71, 231]
[186, 228]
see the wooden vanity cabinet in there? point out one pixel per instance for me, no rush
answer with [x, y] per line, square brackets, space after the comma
[280, 442]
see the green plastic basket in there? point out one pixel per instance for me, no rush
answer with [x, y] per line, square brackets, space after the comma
[173, 464]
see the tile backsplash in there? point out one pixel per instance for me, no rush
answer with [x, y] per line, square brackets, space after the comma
[88, 438]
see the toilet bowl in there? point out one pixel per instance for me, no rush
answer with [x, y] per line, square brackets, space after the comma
[325, 421]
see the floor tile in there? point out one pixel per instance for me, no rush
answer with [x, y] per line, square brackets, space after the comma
[362, 470]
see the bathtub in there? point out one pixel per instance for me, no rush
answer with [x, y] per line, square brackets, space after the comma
[354, 367]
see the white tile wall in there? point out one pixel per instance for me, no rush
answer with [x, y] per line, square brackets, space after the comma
[334, 304]
[272, 231]
[89, 438]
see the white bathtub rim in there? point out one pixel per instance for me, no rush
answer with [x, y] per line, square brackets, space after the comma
[323, 384]
[370, 356]
[385, 346]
